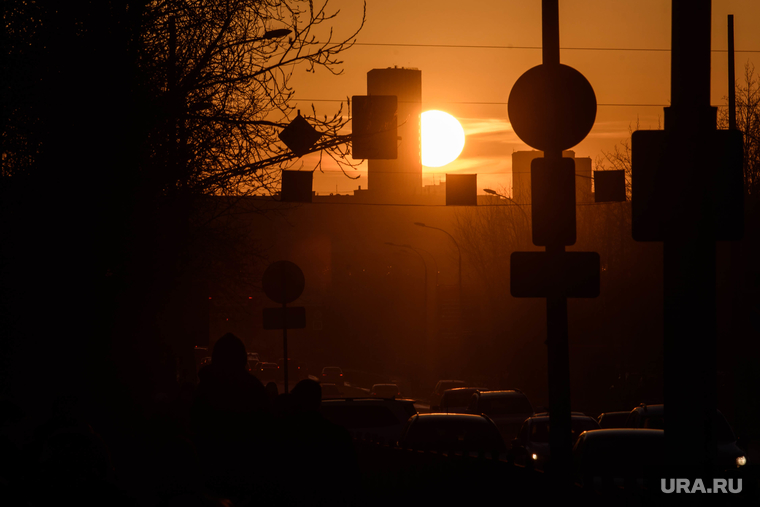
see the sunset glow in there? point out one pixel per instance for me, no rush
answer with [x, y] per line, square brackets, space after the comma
[442, 138]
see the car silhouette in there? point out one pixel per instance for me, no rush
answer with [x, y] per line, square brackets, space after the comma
[457, 400]
[531, 446]
[458, 433]
[508, 409]
[332, 375]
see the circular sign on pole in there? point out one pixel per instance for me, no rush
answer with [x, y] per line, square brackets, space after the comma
[552, 107]
[283, 282]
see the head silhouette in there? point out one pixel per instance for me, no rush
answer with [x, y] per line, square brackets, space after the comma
[229, 353]
[307, 395]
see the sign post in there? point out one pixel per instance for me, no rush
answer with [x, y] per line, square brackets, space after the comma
[283, 283]
[687, 191]
[552, 107]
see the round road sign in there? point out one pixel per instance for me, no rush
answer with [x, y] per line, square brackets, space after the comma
[552, 107]
[283, 282]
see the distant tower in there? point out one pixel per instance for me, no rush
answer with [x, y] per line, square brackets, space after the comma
[399, 179]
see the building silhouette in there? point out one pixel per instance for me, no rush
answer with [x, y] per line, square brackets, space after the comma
[398, 180]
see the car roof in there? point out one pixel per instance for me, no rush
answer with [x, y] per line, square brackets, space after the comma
[542, 418]
[616, 412]
[504, 392]
[389, 385]
[368, 400]
[622, 433]
[460, 389]
[440, 416]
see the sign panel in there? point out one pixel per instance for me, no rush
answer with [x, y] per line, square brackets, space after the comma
[375, 127]
[294, 318]
[552, 107]
[609, 186]
[567, 274]
[461, 190]
[299, 136]
[283, 282]
[296, 186]
[687, 185]
[552, 188]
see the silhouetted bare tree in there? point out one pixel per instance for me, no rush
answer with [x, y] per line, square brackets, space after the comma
[748, 121]
[219, 73]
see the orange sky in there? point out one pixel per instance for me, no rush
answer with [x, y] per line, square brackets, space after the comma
[454, 78]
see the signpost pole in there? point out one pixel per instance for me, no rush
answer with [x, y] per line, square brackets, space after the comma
[283, 282]
[557, 348]
[285, 346]
[552, 107]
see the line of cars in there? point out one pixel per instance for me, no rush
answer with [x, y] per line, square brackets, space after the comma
[474, 420]
[613, 445]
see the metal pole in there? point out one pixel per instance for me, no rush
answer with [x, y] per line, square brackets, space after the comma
[425, 298]
[285, 346]
[689, 269]
[550, 31]
[731, 75]
[557, 348]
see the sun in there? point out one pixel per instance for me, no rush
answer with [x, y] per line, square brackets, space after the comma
[442, 138]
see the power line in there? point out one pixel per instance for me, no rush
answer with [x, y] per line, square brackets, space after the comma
[344, 203]
[487, 103]
[479, 46]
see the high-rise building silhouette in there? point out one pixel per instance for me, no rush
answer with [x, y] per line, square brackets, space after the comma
[398, 180]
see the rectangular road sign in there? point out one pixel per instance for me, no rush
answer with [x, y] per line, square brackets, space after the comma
[687, 182]
[461, 189]
[609, 186]
[295, 318]
[375, 128]
[567, 274]
[552, 189]
[296, 186]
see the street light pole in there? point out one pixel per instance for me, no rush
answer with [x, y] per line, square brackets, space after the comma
[425, 292]
[459, 253]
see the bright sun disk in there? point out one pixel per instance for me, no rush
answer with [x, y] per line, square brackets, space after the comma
[442, 138]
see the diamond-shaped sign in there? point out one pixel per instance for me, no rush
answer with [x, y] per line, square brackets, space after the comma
[299, 136]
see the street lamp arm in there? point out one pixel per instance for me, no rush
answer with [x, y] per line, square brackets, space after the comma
[493, 192]
[459, 253]
[445, 232]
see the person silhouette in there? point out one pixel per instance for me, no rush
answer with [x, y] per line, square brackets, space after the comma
[326, 450]
[272, 390]
[230, 419]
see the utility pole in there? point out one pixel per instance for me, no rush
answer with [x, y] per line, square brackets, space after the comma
[687, 191]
